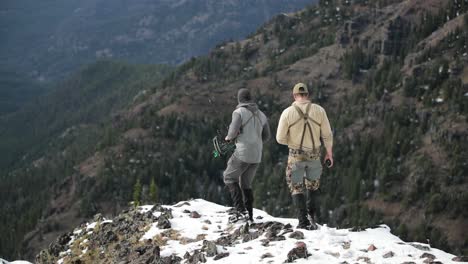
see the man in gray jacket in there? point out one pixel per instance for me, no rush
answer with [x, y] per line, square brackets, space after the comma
[249, 127]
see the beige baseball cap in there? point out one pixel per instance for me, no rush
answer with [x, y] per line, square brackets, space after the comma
[300, 88]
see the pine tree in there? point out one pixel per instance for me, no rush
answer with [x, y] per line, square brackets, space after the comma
[137, 193]
[153, 191]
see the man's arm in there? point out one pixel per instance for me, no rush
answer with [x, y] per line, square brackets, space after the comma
[327, 137]
[282, 132]
[234, 127]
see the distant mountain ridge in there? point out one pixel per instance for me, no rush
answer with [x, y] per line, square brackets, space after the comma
[50, 39]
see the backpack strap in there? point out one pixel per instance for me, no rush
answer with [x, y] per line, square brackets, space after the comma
[307, 125]
[254, 114]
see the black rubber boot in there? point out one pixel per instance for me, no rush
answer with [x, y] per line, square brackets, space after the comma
[248, 202]
[236, 196]
[300, 203]
[239, 214]
[312, 207]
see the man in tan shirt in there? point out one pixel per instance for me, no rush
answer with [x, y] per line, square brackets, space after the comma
[301, 126]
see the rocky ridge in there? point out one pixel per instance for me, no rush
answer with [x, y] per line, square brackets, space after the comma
[197, 231]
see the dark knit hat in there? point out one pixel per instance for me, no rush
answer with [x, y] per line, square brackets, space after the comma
[244, 96]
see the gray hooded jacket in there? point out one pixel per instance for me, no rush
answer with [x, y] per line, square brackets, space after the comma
[250, 128]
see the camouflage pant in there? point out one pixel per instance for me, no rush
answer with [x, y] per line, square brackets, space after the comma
[294, 157]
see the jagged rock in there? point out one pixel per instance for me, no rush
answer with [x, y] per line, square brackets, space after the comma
[346, 245]
[166, 212]
[265, 242]
[267, 255]
[108, 237]
[273, 230]
[364, 259]
[141, 250]
[297, 235]
[428, 256]
[420, 247]
[43, 257]
[173, 259]
[250, 236]
[98, 218]
[157, 251]
[195, 214]
[356, 229]
[244, 229]
[55, 249]
[371, 248]
[163, 222]
[221, 255]
[150, 216]
[64, 239]
[460, 259]
[278, 238]
[389, 254]
[225, 241]
[196, 257]
[300, 251]
[209, 247]
[123, 253]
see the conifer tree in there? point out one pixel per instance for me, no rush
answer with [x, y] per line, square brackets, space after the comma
[137, 193]
[153, 191]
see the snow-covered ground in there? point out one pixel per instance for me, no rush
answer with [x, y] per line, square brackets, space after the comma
[2, 261]
[191, 231]
[326, 245]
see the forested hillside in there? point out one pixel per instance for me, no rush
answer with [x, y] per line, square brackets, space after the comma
[393, 78]
[16, 90]
[56, 131]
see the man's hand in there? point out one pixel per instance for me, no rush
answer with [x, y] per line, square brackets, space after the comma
[227, 139]
[328, 156]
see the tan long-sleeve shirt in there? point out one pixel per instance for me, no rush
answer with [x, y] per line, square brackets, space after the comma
[291, 136]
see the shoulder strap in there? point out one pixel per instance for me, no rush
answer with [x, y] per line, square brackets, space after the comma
[248, 120]
[305, 116]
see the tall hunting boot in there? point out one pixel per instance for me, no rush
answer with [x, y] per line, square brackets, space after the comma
[236, 196]
[248, 201]
[312, 207]
[300, 203]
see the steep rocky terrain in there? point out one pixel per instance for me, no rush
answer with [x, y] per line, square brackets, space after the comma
[392, 76]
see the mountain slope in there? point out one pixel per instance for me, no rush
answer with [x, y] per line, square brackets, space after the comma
[44, 140]
[65, 35]
[392, 77]
[198, 231]
[16, 90]
[89, 96]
